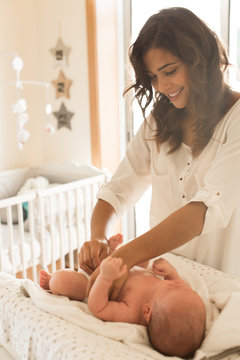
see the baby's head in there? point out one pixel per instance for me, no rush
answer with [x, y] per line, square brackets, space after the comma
[177, 323]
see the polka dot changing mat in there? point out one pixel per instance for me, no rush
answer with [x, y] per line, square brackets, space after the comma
[35, 334]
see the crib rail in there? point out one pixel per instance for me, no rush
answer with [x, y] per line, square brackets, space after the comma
[8, 205]
[57, 224]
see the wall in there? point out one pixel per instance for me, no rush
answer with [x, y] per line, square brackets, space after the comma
[31, 28]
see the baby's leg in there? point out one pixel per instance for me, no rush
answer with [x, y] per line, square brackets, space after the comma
[65, 282]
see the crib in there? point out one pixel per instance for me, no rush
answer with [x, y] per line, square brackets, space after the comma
[35, 324]
[45, 226]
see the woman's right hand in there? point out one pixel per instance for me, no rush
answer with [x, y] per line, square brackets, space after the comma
[92, 253]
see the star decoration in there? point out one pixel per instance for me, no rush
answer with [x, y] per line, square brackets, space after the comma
[63, 117]
[60, 53]
[62, 85]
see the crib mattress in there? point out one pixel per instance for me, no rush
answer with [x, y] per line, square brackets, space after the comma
[39, 325]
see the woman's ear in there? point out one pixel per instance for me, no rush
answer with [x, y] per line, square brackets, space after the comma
[147, 312]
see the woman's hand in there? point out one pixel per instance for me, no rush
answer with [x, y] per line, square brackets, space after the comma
[93, 252]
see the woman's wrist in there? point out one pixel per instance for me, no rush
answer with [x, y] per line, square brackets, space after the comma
[100, 239]
[127, 255]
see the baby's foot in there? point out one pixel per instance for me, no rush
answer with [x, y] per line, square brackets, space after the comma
[44, 279]
[114, 242]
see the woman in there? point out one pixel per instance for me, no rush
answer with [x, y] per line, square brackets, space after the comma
[188, 149]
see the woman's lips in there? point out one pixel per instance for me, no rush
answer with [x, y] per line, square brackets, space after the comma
[172, 96]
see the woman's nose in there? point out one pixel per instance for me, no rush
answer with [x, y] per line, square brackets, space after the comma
[162, 85]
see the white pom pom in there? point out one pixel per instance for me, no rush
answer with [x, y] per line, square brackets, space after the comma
[50, 129]
[23, 136]
[17, 63]
[20, 146]
[22, 119]
[48, 109]
[19, 107]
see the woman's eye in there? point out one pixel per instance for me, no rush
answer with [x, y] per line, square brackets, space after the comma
[171, 72]
[152, 78]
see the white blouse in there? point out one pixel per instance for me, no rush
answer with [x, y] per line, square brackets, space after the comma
[177, 179]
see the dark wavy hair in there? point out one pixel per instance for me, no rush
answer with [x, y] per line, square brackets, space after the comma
[182, 33]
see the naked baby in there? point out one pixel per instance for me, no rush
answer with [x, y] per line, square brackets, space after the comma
[173, 313]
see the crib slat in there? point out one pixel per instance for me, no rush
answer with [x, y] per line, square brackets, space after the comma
[52, 233]
[78, 222]
[70, 229]
[60, 223]
[21, 235]
[32, 237]
[11, 239]
[85, 213]
[42, 233]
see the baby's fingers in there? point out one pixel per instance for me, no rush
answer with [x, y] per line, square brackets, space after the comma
[159, 269]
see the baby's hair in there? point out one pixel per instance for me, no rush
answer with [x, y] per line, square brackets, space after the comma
[178, 329]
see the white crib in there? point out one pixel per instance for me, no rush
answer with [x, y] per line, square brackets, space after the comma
[58, 217]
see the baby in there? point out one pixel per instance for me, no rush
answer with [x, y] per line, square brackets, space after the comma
[173, 313]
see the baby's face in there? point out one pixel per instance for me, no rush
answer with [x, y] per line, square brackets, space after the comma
[166, 287]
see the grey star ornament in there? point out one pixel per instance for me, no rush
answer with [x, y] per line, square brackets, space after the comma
[63, 117]
[60, 53]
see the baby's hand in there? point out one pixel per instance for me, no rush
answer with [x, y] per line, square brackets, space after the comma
[114, 242]
[111, 268]
[162, 267]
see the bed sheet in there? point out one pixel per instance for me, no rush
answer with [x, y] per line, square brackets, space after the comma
[39, 325]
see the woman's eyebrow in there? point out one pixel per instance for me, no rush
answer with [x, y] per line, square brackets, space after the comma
[164, 66]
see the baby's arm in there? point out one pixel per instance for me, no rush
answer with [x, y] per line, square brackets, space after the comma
[164, 268]
[98, 301]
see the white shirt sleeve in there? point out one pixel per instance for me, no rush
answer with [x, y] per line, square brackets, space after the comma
[221, 191]
[132, 177]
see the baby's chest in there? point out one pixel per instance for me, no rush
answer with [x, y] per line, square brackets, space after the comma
[136, 284]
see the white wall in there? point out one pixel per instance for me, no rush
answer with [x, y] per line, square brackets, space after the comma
[31, 28]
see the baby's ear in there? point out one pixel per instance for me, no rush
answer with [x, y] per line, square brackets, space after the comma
[147, 312]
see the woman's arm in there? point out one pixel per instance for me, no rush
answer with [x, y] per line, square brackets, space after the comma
[177, 229]
[93, 251]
